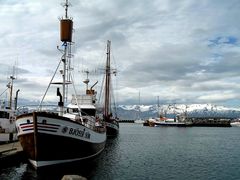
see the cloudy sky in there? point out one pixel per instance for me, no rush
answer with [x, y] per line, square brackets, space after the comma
[183, 51]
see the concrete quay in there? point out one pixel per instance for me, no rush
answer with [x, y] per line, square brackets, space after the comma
[10, 154]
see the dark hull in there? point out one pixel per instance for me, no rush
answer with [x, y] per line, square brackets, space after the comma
[112, 128]
[46, 147]
[211, 122]
[172, 124]
[146, 123]
[54, 148]
[112, 131]
[211, 125]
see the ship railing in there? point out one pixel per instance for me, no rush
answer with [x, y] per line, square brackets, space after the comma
[89, 121]
[35, 108]
[93, 123]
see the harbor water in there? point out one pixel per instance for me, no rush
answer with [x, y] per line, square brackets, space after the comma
[146, 153]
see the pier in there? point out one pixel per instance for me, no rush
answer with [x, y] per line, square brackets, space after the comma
[210, 121]
[199, 122]
[126, 121]
[11, 153]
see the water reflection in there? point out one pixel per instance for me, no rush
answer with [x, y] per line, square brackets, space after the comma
[86, 169]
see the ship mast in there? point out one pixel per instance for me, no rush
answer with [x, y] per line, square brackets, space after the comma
[107, 82]
[10, 87]
[66, 26]
[66, 5]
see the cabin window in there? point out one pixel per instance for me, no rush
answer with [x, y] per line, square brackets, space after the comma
[72, 110]
[75, 110]
[4, 114]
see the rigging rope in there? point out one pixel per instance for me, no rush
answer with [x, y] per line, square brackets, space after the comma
[40, 105]
[4, 91]
[75, 93]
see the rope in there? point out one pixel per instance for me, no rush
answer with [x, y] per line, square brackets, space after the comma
[4, 92]
[40, 105]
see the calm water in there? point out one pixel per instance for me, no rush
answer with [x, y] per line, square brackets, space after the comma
[155, 153]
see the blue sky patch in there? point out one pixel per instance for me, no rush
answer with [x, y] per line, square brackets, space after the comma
[223, 40]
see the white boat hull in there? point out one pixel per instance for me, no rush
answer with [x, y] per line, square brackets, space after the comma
[178, 124]
[139, 121]
[8, 137]
[235, 124]
[8, 131]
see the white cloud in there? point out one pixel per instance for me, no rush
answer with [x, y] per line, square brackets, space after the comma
[162, 48]
[218, 97]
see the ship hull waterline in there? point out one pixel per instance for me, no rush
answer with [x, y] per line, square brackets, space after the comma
[51, 140]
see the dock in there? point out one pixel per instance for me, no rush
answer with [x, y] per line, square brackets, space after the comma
[11, 153]
[210, 121]
[126, 121]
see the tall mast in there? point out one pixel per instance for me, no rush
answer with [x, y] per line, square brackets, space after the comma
[66, 26]
[10, 87]
[107, 83]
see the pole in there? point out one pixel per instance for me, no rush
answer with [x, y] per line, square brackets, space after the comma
[16, 99]
[11, 90]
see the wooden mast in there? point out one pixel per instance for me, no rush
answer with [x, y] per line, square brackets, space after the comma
[107, 82]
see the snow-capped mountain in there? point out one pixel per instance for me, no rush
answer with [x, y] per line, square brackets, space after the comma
[132, 112]
[193, 110]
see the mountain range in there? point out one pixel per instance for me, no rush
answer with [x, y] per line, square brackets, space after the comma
[132, 112]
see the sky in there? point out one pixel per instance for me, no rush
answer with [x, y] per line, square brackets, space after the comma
[184, 51]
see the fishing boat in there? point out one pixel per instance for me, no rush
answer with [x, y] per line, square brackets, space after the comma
[111, 120]
[8, 131]
[170, 122]
[70, 134]
[179, 120]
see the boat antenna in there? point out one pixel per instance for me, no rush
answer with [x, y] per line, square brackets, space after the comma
[66, 5]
